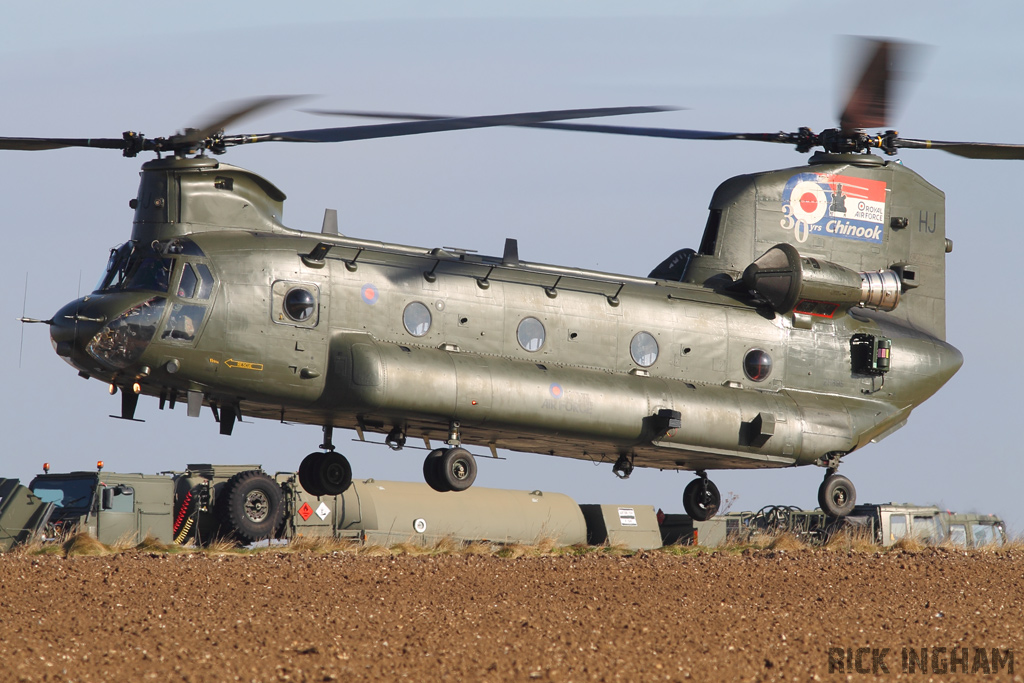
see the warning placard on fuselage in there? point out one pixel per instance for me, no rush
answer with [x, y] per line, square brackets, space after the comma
[838, 206]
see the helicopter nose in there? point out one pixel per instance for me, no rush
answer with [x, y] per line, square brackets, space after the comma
[74, 325]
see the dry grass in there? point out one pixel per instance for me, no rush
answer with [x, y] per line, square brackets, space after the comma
[319, 544]
[853, 541]
[155, 545]
[223, 546]
[479, 548]
[123, 542]
[787, 541]
[907, 545]
[84, 544]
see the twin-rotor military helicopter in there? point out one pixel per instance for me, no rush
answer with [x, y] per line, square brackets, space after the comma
[809, 322]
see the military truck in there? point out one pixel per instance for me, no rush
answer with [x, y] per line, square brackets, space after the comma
[242, 502]
[884, 524]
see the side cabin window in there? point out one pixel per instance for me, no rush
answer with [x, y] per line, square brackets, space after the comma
[295, 303]
[958, 535]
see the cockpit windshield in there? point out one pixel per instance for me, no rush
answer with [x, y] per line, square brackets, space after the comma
[130, 269]
[65, 493]
[117, 265]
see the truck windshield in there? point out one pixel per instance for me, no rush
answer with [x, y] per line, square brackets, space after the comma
[65, 493]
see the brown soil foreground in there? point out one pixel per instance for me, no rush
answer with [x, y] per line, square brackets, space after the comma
[763, 616]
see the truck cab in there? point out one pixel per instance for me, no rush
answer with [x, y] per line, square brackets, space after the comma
[114, 508]
[973, 530]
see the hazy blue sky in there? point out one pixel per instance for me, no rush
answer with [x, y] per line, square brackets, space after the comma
[617, 204]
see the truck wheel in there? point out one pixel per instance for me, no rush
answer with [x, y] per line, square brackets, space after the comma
[837, 496]
[250, 506]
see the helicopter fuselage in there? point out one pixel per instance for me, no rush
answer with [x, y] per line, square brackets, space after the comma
[214, 302]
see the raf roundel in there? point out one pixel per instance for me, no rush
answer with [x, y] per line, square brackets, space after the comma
[808, 201]
[556, 390]
[370, 294]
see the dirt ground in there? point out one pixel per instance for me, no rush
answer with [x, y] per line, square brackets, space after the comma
[760, 616]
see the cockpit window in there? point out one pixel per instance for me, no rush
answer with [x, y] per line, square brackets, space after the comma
[133, 268]
[187, 284]
[709, 242]
[150, 274]
[117, 266]
[205, 281]
[183, 322]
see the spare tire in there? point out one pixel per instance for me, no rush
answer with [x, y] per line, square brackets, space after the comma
[250, 506]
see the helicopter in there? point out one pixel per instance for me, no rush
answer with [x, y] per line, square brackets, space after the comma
[809, 323]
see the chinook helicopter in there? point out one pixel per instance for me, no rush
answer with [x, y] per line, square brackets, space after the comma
[809, 322]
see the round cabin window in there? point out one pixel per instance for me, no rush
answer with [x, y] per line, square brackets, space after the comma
[530, 334]
[644, 349]
[757, 364]
[299, 304]
[416, 319]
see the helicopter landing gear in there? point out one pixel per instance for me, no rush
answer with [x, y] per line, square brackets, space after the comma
[701, 498]
[623, 467]
[449, 469]
[325, 474]
[836, 495]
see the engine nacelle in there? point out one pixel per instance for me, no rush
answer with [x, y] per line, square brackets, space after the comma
[791, 282]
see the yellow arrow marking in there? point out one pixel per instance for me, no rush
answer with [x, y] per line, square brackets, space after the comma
[242, 364]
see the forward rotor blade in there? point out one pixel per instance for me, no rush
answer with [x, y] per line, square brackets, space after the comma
[970, 150]
[231, 113]
[38, 144]
[351, 133]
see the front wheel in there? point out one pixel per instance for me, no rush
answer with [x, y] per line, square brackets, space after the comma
[432, 470]
[837, 496]
[701, 499]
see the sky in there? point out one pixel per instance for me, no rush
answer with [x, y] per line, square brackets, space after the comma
[617, 204]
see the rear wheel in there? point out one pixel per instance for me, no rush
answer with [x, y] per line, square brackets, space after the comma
[837, 496]
[701, 499]
[307, 474]
[325, 474]
[250, 506]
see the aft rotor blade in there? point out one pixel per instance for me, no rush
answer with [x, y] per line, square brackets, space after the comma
[971, 150]
[351, 133]
[872, 98]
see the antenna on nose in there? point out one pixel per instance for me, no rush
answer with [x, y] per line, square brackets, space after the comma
[23, 319]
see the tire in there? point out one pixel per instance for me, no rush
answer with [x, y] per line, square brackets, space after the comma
[701, 503]
[308, 468]
[334, 474]
[432, 470]
[251, 506]
[837, 496]
[457, 469]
